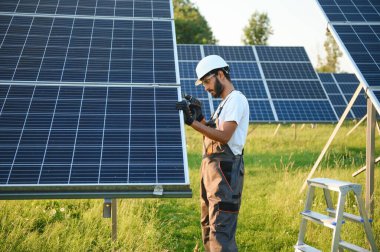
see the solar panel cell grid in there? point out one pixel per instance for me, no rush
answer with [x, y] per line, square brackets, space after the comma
[362, 42]
[126, 8]
[288, 71]
[244, 70]
[296, 89]
[85, 50]
[294, 111]
[189, 52]
[75, 144]
[281, 53]
[251, 88]
[231, 53]
[352, 11]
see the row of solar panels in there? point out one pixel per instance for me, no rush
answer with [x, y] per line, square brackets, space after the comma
[87, 94]
[279, 83]
[356, 27]
[87, 100]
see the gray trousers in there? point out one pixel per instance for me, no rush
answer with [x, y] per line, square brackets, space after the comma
[221, 189]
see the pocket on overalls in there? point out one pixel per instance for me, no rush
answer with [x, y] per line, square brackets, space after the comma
[226, 168]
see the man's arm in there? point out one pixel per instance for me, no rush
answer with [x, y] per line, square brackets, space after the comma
[223, 135]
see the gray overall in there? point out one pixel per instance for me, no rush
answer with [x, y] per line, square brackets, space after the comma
[222, 175]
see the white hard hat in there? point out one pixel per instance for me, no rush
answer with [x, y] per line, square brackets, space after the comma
[208, 64]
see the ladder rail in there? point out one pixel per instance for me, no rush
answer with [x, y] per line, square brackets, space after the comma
[367, 226]
[335, 218]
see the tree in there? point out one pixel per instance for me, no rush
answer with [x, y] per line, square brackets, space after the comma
[258, 30]
[191, 27]
[331, 63]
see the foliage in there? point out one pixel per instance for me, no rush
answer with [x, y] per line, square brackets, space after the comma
[333, 53]
[275, 168]
[191, 27]
[258, 30]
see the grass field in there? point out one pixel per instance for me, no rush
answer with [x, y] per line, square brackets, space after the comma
[269, 218]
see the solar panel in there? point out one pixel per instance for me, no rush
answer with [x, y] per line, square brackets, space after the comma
[86, 50]
[340, 88]
[356, 26]
[264, 74]
[87, 94]
[127, 8]
[246, 76]
[188, 57]
[294, 87]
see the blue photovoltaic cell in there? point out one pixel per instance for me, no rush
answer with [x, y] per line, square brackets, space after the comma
[346, 78]
[337, 100]
[86, 50]
[187, 70]
[188, 87]
[296, 89]
[293, 111]
[273, 53]
[189, 52]
[89, 135]
[363, 43]
[331, 88]
[231, 53]
[340, 110]
[326, 78]
[288, 71]
[260, 111]
[126, 8]
[360, 111]
[244, 70]
[339, 97]
[351, 10]
[251, 88]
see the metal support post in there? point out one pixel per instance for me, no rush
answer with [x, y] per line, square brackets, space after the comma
[370, 159]
[114, 219]
[277, 128]
[110, 211]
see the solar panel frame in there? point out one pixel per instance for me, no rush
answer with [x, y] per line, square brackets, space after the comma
[289, 68]
[86, 135]
[347, 28]
[40, 145]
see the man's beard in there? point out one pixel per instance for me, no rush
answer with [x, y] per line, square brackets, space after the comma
[218, 88]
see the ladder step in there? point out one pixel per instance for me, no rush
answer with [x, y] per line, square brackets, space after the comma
[322, 219]
[306, 248]
[349, 216]
[352, 247]
[331, 184]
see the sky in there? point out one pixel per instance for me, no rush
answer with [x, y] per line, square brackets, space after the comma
[294, 22]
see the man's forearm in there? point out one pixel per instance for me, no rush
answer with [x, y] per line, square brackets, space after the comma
[214, 134]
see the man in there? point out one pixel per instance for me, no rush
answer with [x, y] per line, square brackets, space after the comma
[222, 169]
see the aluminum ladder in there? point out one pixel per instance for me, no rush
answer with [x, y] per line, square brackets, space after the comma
[335, 218]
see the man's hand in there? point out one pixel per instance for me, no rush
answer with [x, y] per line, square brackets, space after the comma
[195, 107]
[187, 115]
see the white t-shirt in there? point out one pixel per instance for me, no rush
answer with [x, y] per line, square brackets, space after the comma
[235, 108]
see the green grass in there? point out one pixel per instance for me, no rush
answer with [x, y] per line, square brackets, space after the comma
[269, 218]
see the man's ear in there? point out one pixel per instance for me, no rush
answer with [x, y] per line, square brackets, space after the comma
[221, 75]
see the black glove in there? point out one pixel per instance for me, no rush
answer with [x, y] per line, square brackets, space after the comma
[187, 115]
[195, 107]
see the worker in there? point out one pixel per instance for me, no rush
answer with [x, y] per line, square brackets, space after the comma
[222, 168]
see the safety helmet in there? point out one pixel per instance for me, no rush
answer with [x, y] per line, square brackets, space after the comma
[208, 64]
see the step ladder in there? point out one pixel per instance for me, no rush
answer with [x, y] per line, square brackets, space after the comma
[334, 218]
